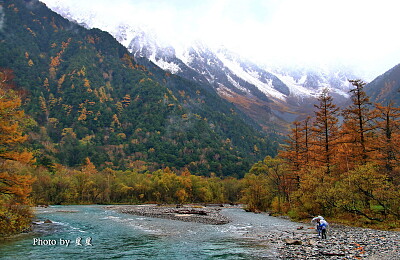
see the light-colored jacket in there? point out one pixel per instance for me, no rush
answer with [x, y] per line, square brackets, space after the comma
[323, 224]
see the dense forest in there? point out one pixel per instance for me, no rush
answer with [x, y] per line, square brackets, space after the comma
[347, 171]
[83, 97]
[345, 163]
[90, 98]
[82, 122]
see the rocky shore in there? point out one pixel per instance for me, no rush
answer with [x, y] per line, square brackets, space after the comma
[342, 242]
[205, 215]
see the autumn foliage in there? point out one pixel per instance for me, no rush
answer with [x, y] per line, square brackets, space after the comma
[349, 170]
[15, 186]
[89, 185]
[113, 131]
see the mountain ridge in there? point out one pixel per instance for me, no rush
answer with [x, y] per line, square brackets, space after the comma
[386, 87]
[278, 96]
[274, 102]
[90, 98]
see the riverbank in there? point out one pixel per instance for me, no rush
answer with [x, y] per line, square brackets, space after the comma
[343, 242]
[187, 213]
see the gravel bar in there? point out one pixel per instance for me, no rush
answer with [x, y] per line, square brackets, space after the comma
[209, 215]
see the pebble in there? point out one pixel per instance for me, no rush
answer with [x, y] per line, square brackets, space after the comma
[343, 242]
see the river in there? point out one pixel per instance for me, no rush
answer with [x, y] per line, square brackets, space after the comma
[91, 232]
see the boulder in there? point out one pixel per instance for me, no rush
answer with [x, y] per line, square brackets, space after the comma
[289, 241]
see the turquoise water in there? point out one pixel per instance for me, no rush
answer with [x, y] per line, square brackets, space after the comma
[105, 234]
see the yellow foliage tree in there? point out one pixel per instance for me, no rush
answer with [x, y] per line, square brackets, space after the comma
[14, 186]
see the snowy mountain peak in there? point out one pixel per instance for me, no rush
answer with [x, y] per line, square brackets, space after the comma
[249, 85]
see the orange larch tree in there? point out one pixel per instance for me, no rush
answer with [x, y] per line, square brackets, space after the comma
[358, 126]
[325, 131]
[14, 186]
[292, 154]
[387, 119]
[306, 151]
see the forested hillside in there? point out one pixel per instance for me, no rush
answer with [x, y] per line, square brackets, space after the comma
[385, 88]
[83, 122]
[90, 99]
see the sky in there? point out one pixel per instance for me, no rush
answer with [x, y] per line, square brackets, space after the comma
[358, 34]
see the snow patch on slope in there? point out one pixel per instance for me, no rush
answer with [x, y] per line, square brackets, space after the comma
[252, 78]
[300, 86]
[296, 86]
[169, 66]
[183, 54]
[236, 84]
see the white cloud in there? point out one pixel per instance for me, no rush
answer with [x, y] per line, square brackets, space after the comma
[357, 33]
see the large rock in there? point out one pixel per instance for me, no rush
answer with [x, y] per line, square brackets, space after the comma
[289, 241]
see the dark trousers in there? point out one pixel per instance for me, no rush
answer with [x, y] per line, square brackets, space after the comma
[323, 233]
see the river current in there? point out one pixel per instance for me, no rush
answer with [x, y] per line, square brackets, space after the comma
[91, 232]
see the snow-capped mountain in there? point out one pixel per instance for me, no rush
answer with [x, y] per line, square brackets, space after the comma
[219, 68]
[310, 82]
[264, 92]
[223, 68]
[258, 90]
